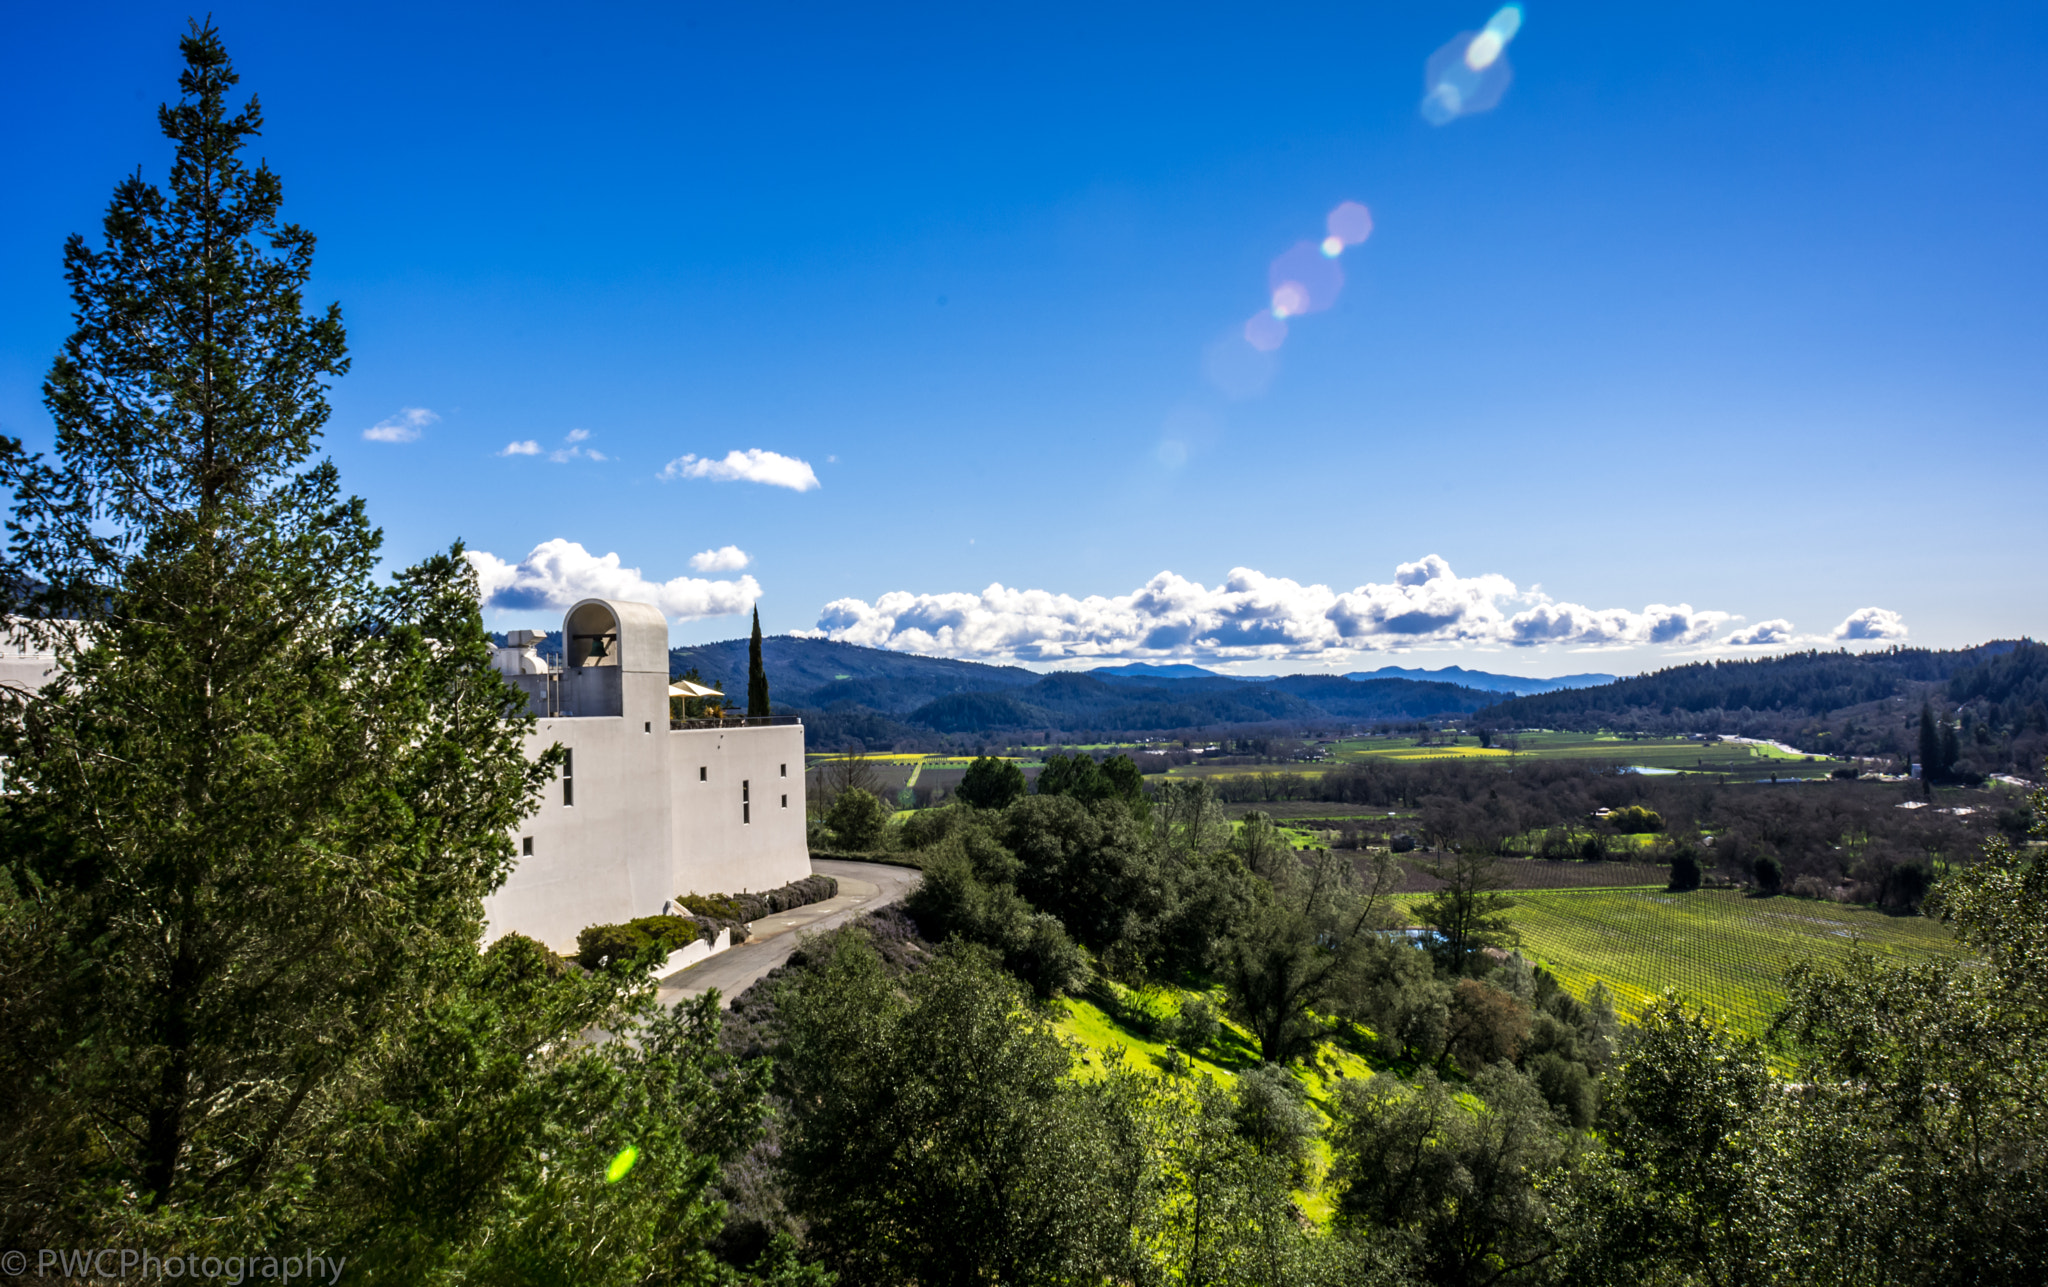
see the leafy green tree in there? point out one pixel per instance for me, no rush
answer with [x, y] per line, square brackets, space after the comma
[1686, 872]
[1460, 1191]
[990, 783]
[1300, 949]
[1469, 914]
[858, 818]
[1770, 873]
[956, 899]
[251, 823]
[757, 673]
[1126, 782]
[935, 1135]
[1093, 867]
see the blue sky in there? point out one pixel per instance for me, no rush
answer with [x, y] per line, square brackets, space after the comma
[1725, 324]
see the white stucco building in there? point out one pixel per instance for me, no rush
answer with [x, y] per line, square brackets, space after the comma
[646, 808]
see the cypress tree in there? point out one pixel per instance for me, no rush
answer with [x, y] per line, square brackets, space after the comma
[757, 674]
[1930, 745]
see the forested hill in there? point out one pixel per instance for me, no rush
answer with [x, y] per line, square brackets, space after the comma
[877, 697]
[1864, 702]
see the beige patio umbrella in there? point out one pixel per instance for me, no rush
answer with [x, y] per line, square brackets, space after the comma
[684, 688]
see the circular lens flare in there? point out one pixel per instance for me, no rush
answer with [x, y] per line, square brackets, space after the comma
[1350, 223]
[1265, 332]
[1333, 246]
[1290, 299]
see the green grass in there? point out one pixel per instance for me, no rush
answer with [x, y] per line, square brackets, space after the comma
[1718, 947]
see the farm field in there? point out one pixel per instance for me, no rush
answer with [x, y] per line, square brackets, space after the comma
[1719, 947]
[1674, 753]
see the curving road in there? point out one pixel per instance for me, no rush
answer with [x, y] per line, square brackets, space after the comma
[863, 886]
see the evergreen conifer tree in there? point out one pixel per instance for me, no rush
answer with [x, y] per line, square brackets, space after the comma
[1930, 744]
[757, 674]
[248, 828]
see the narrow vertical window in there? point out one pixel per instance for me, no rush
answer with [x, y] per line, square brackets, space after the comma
[526, 846]
[785, 802]
[785, 770]
[746, 798]
[703, 773]
[568, 777]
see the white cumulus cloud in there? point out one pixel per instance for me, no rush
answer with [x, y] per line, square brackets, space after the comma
[1254, 616]
[557, 573]
[403, 427]
[726, 558]
[1776, 632]
[1870, 624]
[751, 466]
[526, 448]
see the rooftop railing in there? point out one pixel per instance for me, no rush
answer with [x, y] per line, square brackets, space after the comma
[740, 721]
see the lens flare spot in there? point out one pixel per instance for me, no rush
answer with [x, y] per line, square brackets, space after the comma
[1485, 47]
[1304, 280]
[1333, 247]
[1290, 299]
[621, 1165]
[1471, 72]
[1265, 331]
[1350, 223]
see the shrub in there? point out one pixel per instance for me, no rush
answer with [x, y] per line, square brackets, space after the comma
[1686, 872]
[1635, 820]
[858, 819]
[637, 944]
[1197, 1024]
[737, 909]
[990, 783]
[1770, 873]
[1590, 850]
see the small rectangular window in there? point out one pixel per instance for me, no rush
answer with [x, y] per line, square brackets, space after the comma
[746, 790]
[785, 802]
[785, 770]
[746, 813]
[526, 846]
[568, 777]
[648, 727]
[703, 773]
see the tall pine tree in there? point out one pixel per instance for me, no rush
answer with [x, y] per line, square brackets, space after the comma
[757, 673]
[248, 829]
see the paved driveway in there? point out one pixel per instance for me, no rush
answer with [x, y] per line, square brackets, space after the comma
[863, 886]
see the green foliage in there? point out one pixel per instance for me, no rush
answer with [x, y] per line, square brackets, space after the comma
[1469, 914]
[1196, 1024]
[1302, 946]
[252, 822]
[638, 944]
[1458, 1186]
[1686, 872]
[990, 783]
[955, 900]
[1635, 820]
[858, 818]
[1770, 873]
[935, 1135]
[1082, 778]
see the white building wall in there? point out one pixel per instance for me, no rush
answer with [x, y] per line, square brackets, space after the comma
[647, 812]
[738, 812]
